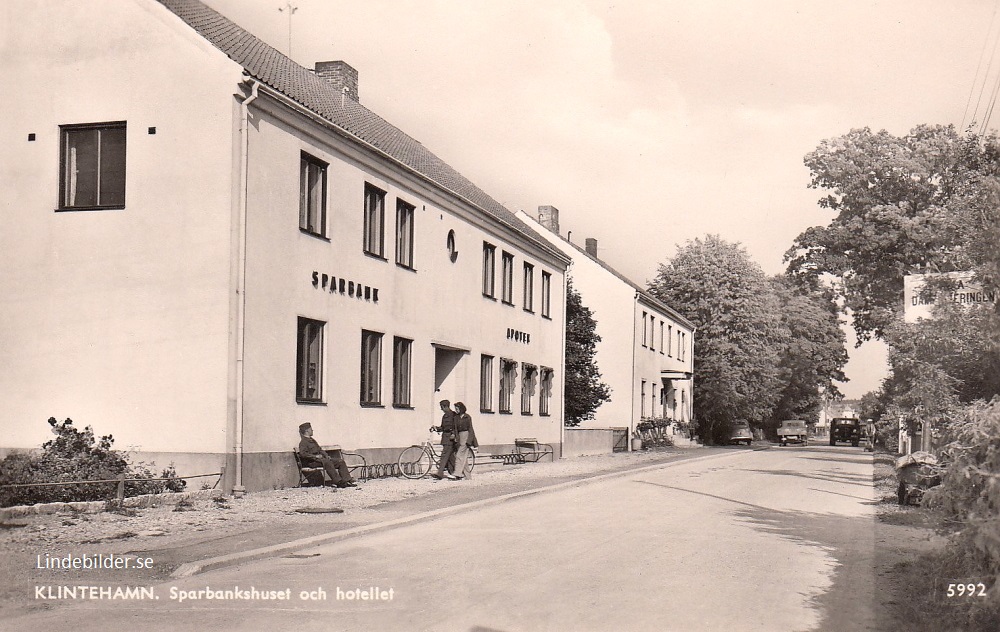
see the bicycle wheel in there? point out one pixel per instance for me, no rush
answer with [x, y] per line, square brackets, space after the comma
[472, 460]
[414, 462]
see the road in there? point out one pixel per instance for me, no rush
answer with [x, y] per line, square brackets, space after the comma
[778, 539]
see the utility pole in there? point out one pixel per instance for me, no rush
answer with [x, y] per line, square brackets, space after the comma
[291, 9]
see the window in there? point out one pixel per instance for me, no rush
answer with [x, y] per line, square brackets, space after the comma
[642, 400]
[371, 368]
[545, 389]
[507, 279]
[528, 374]
[309, 361]
[401, 371]
[404, 234]
[684, 415]
[661, 337]
[486, 384]
[652, 401]
[546, 295]
[680, 342]
[452, 248]
[312, 195]
[670, 340]
[92, 166]
[508, 379]
[644, 329]
[374, 220]
[489, 270]
[652, 332]
[529, 287]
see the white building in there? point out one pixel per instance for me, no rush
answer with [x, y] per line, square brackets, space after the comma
[646, 352]
[206, 244]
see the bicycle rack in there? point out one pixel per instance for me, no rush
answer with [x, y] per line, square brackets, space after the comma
[378, 470]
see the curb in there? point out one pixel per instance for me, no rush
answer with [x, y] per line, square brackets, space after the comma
[190, 569]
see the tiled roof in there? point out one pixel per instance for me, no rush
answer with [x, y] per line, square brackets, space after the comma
[277, 71]
[652, 300]
[554, 236]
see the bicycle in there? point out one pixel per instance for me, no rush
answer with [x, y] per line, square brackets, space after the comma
[417, 461]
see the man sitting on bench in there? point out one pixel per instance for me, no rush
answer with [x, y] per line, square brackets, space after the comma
[314, 456]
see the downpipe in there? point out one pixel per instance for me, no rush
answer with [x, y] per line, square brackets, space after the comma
[238, 489]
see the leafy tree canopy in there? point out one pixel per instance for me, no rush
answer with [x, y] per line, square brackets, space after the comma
[584, 389]
[815, 353]
[739, 334]
[926, 200]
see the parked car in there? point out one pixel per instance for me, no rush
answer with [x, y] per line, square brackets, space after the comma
[845, 429]
[741, 433]
[792, 431]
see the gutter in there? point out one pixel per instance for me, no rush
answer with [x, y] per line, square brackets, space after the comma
[631, 421]
[241, 284]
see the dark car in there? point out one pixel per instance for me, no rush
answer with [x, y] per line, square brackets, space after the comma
[845, 429]
[741, 433]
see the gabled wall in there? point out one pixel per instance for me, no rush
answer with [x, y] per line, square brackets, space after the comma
[118, 319]
[623, 359]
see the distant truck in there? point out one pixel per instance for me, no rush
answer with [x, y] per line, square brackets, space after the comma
[792, 431]
[845, 429]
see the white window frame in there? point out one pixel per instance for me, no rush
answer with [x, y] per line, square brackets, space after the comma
[312, 195]
[371, 368]
[405, 216]
[105, 162]
[374, 221]
[309, 360]
[402, 363]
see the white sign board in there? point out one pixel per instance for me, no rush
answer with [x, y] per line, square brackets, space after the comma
[965, 292]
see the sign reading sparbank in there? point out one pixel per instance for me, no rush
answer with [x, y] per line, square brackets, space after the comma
[965, 292]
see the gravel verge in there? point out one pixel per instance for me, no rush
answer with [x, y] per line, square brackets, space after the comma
[202, 527]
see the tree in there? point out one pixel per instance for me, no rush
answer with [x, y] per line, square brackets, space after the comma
[815, 354]
[726, 295]
[584, 389]
[902, 203]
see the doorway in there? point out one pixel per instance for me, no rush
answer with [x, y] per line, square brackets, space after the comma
[450, 376]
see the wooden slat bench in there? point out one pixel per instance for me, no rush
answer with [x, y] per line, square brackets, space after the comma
[315, 476]
[531, 450]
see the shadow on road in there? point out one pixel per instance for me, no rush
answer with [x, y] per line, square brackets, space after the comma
[849, 604]
[860, 480]
[828, 450]
[837, 459]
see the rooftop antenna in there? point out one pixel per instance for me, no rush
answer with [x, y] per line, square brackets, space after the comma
[291, 9]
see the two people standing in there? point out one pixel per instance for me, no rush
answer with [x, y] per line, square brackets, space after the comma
[458, 437]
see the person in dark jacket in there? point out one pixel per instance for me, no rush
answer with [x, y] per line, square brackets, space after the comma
[448, 438]
[312, 455]
[465, 442]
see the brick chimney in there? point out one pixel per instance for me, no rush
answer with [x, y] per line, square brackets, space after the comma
[341, 75]
[591, 246]
[548, 216]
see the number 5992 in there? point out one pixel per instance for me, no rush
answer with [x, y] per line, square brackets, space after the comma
[977, 589]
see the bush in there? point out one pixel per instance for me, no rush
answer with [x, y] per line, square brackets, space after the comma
[969, 494]
[76, 455]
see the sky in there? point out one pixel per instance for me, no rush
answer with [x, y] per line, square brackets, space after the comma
[651, 123]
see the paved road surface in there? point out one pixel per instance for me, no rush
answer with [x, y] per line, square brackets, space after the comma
[777, 539]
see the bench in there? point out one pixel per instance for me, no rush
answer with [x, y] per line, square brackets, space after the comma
[315, 476]
[530, 449]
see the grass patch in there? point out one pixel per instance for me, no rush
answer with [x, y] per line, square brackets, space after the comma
[927, 606]
[910, 517]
